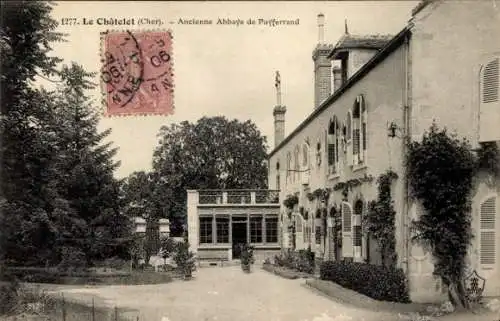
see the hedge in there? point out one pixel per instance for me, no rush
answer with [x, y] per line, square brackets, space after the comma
[378, 282]
[43, 275]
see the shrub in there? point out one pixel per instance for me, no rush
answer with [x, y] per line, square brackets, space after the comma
[184, 259]
[8, 297]
[302, 260]
[378, 282]
[247, 258]
[72, 257]
[115, 263]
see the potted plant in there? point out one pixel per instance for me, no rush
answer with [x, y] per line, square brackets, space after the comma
[185, 261]
[246, 258]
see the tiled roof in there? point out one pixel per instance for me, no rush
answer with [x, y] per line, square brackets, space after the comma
[361, 42]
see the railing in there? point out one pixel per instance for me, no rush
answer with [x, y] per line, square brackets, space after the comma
[238, 197]
[210, 197]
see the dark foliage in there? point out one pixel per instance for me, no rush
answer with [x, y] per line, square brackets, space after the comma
[380, 219]
[58, 188]
[440, 172]
[302, 260]
[213, 153]
[378, 282]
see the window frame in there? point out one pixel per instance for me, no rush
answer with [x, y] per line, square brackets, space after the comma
[208, 238]
[217, 219]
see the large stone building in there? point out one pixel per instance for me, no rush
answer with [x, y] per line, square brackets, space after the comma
[371, 94]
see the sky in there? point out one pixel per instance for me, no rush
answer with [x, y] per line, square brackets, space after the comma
[223, 70]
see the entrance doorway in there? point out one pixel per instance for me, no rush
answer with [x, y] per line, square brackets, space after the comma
[239, 237]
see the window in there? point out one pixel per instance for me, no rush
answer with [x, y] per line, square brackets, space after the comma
[333, 146]
[347, 245]
[278, 175]
[357, 234]
[271, 230]
[288, 164]
[256, 229]
[490, 81]
[348, 127]
[222, 230]
[296, 162]
[318, 235]
[487, 215]
[359, 131]
[305, 158]
[318, 154]
[205, 229]
[489, 100]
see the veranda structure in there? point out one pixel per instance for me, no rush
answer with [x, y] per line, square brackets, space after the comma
[221, 221]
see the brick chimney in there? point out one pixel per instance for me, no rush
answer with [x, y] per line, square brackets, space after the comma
[322, 66]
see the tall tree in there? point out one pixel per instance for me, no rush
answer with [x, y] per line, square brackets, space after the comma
[212, 153]
[26, 33]
[86, 166]
[58, 189]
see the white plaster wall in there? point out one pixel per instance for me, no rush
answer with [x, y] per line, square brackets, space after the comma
[192, 218]
[450, 41]
[383, 92]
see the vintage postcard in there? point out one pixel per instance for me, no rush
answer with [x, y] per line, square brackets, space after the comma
[250, 161]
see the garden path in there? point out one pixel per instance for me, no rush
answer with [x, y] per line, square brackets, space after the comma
[227, 294]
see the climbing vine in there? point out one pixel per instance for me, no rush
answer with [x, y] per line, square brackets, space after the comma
[350, 184]
[488, 158]
[290, 201]
[380, 219]
[440, 173]
[321, 194]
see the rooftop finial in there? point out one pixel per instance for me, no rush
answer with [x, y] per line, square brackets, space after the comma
[346, 30]
[278, 88]
[321, 28]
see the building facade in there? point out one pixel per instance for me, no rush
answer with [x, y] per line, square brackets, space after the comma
[442, 67]
[221, 221]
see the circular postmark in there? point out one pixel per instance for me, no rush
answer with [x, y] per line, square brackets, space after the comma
[123, 68]
[157, 80]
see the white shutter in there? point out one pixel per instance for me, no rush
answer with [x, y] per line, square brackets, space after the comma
[489, 101]
[487, 238]
[347, 246]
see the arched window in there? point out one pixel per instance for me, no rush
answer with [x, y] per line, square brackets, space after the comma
[305, 155]
[333, 146]
[357, 234]
[348, 127]
[296, 163]
[359, 130]
[488, 237]
[318, 154]
[347, 248]
[288, 165]
[489, 102]
[278, 175]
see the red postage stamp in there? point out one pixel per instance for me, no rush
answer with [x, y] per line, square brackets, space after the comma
[137, 73]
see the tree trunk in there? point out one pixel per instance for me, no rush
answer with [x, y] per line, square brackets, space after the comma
[456, 294]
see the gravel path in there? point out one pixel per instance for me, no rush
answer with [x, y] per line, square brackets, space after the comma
[227, 294]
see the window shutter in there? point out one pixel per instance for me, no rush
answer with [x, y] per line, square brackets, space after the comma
[490, 82]
[488, 233]
[355, 142]
[489, 109]
[346, 218]
[347, 244]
